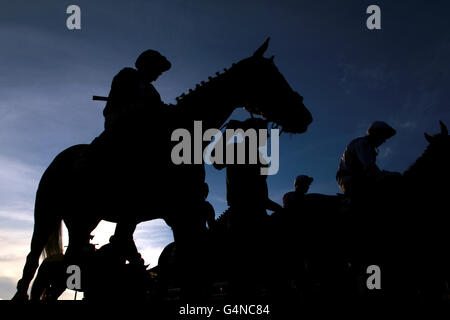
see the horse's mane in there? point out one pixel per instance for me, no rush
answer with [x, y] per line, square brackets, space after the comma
[421, 164]
[430, 162]
[200, 87]
[223, 220]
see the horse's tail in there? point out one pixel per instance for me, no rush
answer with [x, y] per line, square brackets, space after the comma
[54, 244]
[46, 241]
[47, 221]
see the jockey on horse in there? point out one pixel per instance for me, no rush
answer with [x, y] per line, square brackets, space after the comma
[130, 102]
[358, 175]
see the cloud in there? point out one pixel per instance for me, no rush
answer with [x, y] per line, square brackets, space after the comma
[16, 214]
[374, 78]
[408, 125]
[429, 85]
[18, 181]
[7, 288]
[151, 237]
[13, 251]
[217, 198]
[385, 153]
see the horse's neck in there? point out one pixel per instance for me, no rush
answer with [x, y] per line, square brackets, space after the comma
[419, 171]
[212, 102]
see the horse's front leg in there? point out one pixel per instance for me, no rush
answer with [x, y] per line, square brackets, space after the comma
[124, 242]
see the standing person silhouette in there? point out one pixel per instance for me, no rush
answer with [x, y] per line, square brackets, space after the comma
[247, 191]
[292, 200]
[248, 199]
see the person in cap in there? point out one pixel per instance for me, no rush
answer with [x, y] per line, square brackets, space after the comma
[292, 200]
[247, 191]
[132, 90]
[131, 100]
[131, 104]
[358, 172]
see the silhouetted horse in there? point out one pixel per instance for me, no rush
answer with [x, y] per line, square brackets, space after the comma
[423, 218]
[128, 194]
[404, 230]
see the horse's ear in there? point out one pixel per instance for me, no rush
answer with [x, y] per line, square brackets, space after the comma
[428, 137]
[260, 51]
[271, 58]
[444, 130]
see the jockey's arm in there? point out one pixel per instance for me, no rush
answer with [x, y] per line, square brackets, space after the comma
[273, 206]
[367, 158]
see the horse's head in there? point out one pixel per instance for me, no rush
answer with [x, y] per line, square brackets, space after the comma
[432, 166]
[439, 146]
[265, 92]
[441, 139]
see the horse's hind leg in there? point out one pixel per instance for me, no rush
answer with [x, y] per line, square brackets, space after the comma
[43, 229]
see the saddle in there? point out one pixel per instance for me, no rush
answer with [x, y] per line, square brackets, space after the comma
[101, 155]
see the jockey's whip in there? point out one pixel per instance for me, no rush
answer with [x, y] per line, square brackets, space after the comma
[99, 98]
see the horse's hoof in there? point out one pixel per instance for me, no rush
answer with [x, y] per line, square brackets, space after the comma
[20, 297]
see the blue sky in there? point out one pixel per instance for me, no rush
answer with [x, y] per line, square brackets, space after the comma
[349, 76]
